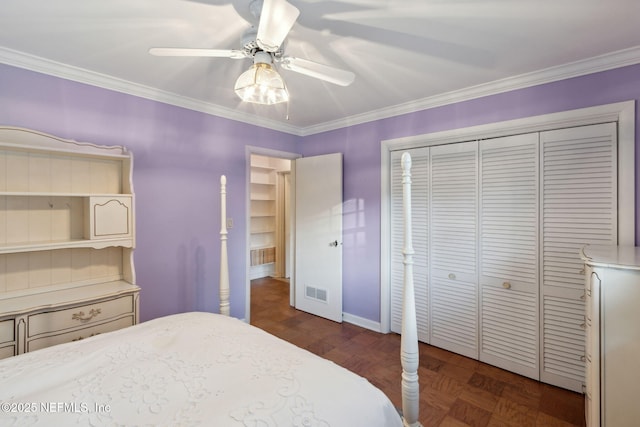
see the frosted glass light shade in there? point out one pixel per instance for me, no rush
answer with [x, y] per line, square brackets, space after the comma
[261, 84]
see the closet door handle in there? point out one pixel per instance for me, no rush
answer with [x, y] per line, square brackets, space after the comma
[334, 243]
[506, 285]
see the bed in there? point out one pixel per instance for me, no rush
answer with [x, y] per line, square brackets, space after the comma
[197, 368]
[188, 369]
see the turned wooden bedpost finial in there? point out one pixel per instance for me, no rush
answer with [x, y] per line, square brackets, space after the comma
[224, 264]
[409, 355]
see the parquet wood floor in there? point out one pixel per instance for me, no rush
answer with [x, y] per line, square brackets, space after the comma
[455, 391]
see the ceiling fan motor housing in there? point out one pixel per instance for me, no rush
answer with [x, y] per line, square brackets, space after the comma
[250, 45]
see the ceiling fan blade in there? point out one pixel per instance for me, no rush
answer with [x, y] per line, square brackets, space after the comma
[211, 53]
[276, 19]
[319, 71]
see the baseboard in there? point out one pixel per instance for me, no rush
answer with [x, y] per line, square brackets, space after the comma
[362, 322]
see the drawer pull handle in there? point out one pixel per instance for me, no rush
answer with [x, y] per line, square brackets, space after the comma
[81, 317]
[81, 338]
[452, 276]
[506, 285]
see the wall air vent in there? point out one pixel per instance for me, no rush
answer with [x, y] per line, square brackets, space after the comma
[317, 294]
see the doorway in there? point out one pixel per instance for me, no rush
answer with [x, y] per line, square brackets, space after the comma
[270, 233]
[269, 211]
[315, 210]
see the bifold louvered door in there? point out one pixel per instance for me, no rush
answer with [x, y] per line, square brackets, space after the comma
[419, 218]
[579, 193]
[498, 228]
[509, 284]
[453, 290]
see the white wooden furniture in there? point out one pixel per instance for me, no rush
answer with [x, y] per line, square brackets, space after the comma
[67, 235]
[613, 335]
[224, 291]
[409, 354]
[499, 224]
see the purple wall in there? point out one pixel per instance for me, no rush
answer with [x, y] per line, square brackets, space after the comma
[361, 147]
[179, 156]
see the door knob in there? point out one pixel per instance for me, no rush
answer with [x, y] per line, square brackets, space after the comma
[334, 243]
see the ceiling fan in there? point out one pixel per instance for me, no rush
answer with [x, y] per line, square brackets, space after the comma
[262, 84]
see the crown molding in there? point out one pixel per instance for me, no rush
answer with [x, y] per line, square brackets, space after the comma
[81, 75]
[621, 58]
[596, 64]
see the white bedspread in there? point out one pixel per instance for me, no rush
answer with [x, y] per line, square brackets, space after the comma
[189, 369]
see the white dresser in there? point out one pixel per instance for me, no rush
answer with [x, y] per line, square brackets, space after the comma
[613, 336]
[67, 234]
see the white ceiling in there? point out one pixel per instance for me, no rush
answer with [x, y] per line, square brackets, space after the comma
[406, 54]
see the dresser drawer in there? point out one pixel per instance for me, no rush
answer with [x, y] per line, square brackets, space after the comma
[79, 334]
[7, 331]
[79, 317]
[7, 351]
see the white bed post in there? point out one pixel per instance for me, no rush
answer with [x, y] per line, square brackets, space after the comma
[409, 340]
[224, 264]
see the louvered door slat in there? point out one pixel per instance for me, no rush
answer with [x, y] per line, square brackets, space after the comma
[509, 253]
[564, 337]
[419, 218]
[453, 248]
[579, 193]
[507, 330]
[454, 316]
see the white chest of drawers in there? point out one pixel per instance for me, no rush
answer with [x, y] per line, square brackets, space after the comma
[613, 336]
[32, 322]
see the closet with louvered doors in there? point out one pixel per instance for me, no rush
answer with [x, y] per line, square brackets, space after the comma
[501, 223]
[509, 253]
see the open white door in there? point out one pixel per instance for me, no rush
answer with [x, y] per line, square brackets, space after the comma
[318, 259]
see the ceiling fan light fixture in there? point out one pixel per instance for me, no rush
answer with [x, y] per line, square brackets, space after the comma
[261, 84]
